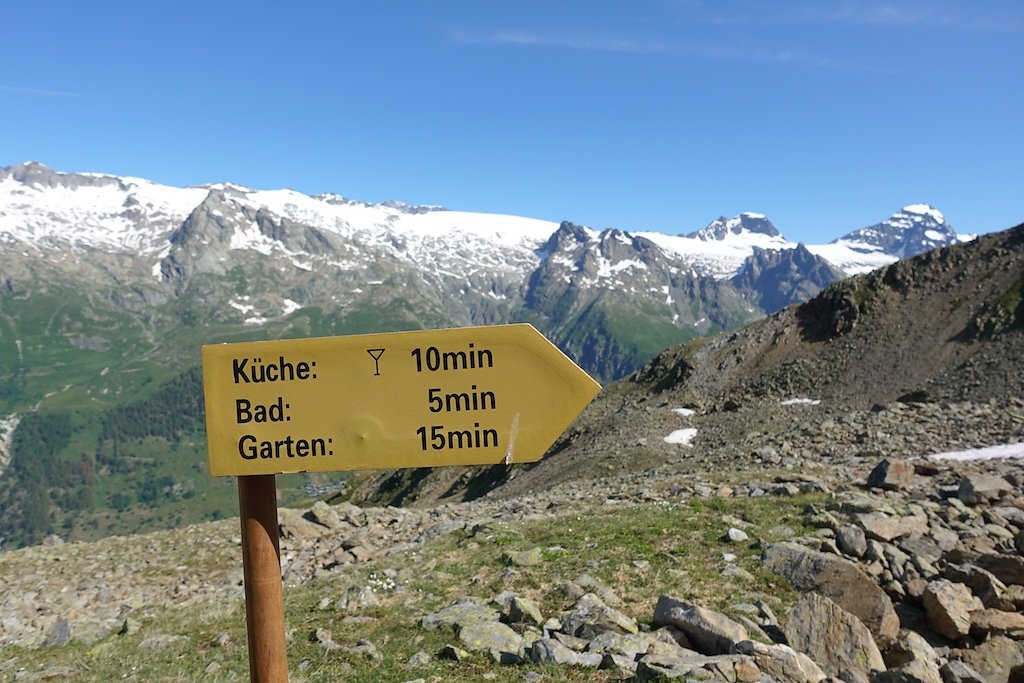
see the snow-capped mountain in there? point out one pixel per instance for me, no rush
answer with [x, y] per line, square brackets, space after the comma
[746, 224]
[136, 255]
[719, 249]
[912, 230]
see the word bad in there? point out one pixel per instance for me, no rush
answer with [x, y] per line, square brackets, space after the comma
[247, 411]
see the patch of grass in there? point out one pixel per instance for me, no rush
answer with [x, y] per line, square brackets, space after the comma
[640, 551]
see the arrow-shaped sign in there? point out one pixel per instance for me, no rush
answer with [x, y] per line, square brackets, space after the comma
[466, 396]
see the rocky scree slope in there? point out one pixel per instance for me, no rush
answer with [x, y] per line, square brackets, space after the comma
[912, 570]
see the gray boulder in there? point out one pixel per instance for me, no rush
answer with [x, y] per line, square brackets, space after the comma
[697, 667]
[949, 606]
[891, 475]
[710, 632]
[976, 489]
[501, 642]
[549, 650]
[781, 663]
[851, 540]
[838, 579]
[1007, 568]
[832, 637]
[590, 617]
[459, 614]
[912, 656]
[993, 659]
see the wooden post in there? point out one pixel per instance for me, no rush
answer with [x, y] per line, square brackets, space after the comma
[261, 566]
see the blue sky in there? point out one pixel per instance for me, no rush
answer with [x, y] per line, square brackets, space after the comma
[660, 115]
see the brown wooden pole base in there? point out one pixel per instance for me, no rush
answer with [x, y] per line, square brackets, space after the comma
[261, 565]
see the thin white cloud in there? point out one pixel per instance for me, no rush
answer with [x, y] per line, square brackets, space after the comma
[595, 43]
[932, 16]
[925, 15]
[40, 92]
[609, 43]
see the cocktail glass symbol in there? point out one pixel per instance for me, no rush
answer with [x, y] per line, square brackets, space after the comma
[376, 353]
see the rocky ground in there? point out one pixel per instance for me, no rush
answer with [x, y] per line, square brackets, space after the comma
[914, 570]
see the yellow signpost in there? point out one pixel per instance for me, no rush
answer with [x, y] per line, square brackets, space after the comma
[465, 396]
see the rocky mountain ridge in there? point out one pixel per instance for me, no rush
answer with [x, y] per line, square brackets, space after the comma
[941, 328]
[254, 259]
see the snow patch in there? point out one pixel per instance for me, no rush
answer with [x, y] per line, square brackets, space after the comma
[719, 259]
[853, 258]
[1009, 450]
[685, 412]
[241, 307]
[7, 427]
[682, 436]
[925, 210]
[800, 402]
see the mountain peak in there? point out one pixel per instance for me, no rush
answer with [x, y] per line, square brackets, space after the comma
[746, 222]
[923, 210]
[914, 229]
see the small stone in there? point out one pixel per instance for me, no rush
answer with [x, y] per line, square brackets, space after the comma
[709, 632]
[524, 611]
[454, 653]
[59, 635]
[550, 650]
[956, 671]
[891, 475]
[420, 659]
[733, 572]
[493, 637]
[782, 662]
[914, 658]
[735, 535]
[523, 558]
[882, 527]
[323, 514]
[325, 638]
[851, 540]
